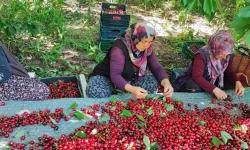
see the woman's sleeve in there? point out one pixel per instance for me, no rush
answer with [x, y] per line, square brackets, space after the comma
[156, 68]
[4, 67]
[117, 62]
[197, 74]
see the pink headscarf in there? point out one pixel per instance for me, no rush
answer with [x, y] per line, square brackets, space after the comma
[219, 43]
[134, 35]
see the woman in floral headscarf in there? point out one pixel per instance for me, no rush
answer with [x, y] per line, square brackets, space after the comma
[212, 68]
[124, 66]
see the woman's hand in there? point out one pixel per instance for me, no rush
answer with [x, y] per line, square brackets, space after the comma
[168, 89]
[239, 89]
[219, 93]
[137, 92]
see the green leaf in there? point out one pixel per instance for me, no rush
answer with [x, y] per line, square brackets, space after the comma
[52, 120]
[216, 141]
[150, 111]
[213, 6]
[244, 145]
[124, 104]
[247, 36]
[239, 22]
[202, 123]
[106, 118]
[218, 3]
[142, 124]
[7, 147]
[142, 106]
[156, 97]
[185, 2]
[192, 6]
[140, 117]
[146, 141]
[169, 107]
[154, 146]
[207, 8]
[244, 12]
[209, 17]
[79, 115]
[163, 115]
[113, 108]
[94, 131]
[81, 134]
[243, 128]
[248, 1]
[19, 134]
[113, 99]
[126, 113]
[225, 136]
[74, 105]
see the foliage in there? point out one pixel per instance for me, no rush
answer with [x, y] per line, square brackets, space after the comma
[38, 17]
[241, 23]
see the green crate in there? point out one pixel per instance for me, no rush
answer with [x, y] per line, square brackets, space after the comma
[105, 45]
[186, 49]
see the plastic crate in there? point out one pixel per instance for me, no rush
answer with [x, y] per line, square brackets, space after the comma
[113, 6]
[117, 20]
[189, 51]
[66, 79]
[108, 32]
[105, 45]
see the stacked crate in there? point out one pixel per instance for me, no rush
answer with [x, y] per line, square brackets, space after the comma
[114, 21]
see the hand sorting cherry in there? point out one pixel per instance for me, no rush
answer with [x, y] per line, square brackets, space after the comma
[158, 122]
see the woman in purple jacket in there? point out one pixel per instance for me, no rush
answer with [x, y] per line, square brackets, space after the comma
[124, 66]
[15, 83]
[212, 69]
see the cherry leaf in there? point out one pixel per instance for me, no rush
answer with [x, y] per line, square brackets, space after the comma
[202, 123]
[113, 108]
[244, 145]
[74, 105]
[163, 115]
[150, 111]
[94, 131]
[225, 136]
[126, 113]
[216, 141]
[113, 100]
[169, 107]
[81, 134]
[106, 118]
[19, 134]
[154, 146]
[79, 115]
[146, 141]
[52, 120]
[140, 117]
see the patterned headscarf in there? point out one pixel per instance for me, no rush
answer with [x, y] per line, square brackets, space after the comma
[218, 44]
[133, 36]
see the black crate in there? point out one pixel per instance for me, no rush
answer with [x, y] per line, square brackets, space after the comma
[105, 45]
[110, 33]
[116, 20]
[113, 6]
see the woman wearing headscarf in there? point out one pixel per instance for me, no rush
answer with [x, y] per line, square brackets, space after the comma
[212, 68]
[15, 83]
[124, 66]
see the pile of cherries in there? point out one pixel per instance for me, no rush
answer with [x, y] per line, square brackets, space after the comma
[114, 11]
[156, 122]
[62, 89]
